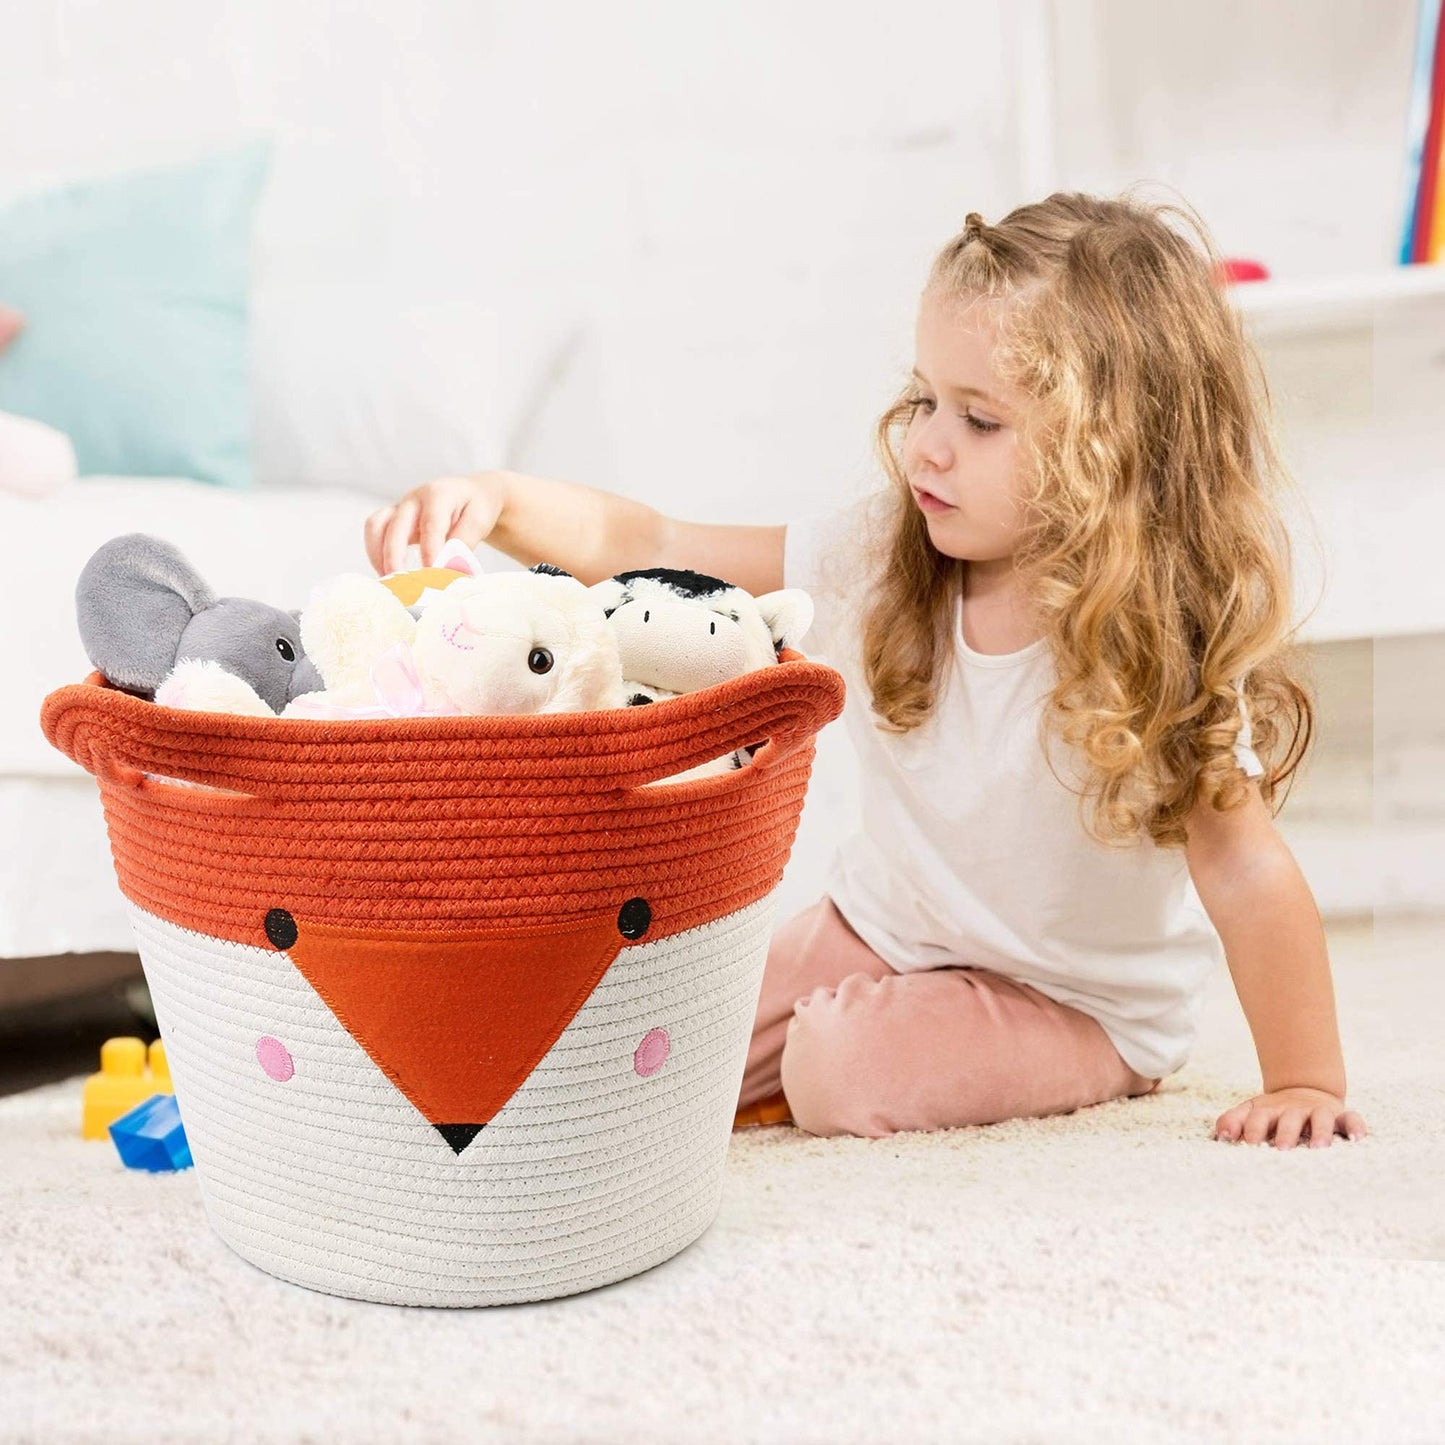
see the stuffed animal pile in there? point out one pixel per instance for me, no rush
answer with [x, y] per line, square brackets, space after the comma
[441, 641]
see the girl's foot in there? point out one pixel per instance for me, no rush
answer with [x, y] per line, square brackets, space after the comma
[772, 1110]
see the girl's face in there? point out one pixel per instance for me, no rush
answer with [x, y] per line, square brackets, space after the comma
[962, 443]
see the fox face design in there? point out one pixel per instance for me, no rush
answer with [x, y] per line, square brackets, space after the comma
[439, 1041]
[326, 1167]
[457, 1022]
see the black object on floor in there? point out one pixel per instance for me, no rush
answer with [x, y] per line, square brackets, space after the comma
[42, 1043]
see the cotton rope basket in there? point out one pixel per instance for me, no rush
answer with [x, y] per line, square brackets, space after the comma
[456, 1008]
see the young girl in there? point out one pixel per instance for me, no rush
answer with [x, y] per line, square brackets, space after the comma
[1063, 626]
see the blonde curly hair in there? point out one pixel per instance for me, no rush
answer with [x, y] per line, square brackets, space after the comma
[1155, 555]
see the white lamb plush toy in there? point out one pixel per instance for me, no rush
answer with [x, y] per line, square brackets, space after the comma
[678, 631]
[507, 642]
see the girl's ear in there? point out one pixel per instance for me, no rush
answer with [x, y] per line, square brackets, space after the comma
[789, 615]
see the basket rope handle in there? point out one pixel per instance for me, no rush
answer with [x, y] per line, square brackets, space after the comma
[115, 737]
[781, 708]
[121, 739]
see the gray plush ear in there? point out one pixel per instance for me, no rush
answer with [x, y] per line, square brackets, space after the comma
[133, 600]
[789, 615]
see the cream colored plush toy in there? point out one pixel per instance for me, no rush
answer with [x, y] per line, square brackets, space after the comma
[678, 631]
[507, 642]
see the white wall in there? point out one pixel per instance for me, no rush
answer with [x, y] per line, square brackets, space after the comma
[1282, 122]
[709, 223]
[721, 215]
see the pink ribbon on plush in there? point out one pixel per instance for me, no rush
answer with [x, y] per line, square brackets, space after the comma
[398, 689]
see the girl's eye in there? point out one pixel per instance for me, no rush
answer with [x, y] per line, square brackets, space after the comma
[920, 403]
[979, 424]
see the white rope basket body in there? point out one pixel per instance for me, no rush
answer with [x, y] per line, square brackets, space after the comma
[606, 1161]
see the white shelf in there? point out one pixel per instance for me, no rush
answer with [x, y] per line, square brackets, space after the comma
[1335, 302]
[1371, 545]
[1372, 469]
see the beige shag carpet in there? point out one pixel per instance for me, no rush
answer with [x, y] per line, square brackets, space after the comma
[1113, 1275]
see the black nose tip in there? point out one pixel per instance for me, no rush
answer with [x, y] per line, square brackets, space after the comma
[459, 1135]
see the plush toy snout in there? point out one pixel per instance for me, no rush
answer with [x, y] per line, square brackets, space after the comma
[682, 649]
[518, 643]
[475, 618]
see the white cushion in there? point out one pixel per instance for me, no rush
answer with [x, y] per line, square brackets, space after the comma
[35, 459]
[357, 388]
[273, 546]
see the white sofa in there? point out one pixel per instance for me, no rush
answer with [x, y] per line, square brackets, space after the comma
[57, 890]
[353, 401]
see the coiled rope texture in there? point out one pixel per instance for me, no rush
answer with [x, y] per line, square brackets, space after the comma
[444, 824]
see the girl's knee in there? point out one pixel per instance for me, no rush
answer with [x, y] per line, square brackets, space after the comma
[830, 1060]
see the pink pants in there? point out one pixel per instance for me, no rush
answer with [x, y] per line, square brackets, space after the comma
[857, 1048]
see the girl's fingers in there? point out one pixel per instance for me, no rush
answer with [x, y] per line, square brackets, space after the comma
[1289, 1126]
[1228, 1125]
[373, 531]
[1256, 1127]
[1322, 1127]
[435, 527]
[1253, 1125]
[400, 533]
[473, 523]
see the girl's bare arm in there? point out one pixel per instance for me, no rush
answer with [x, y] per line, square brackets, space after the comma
[1274, 942]
[588, 532]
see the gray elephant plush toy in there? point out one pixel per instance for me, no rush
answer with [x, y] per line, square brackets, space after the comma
[143, 609]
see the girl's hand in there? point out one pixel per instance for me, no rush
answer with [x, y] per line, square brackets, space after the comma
[1286, 1113]
[463, 507]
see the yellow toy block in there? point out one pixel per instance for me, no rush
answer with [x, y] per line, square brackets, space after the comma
[123, 1082]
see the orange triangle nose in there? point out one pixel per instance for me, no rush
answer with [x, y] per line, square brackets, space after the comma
[456, 1022]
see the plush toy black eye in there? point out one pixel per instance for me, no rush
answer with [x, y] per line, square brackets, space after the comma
[285, 649]
[540, 660]
[711, 629]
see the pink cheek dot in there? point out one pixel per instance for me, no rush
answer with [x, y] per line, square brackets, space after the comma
[652, 1053]
[275, 1058]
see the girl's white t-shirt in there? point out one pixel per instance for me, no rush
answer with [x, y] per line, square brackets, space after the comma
[971, 853]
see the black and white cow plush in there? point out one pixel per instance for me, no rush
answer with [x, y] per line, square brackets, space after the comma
[679, 631]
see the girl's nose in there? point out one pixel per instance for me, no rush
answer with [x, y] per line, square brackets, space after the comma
[926, 445]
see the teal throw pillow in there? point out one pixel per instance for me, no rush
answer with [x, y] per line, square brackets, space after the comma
[135, 293]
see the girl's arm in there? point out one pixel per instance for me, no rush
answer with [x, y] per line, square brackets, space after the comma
[590, 533]
[1274, 942]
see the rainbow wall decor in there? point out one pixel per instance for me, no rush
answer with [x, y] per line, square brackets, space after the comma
[1424, 234]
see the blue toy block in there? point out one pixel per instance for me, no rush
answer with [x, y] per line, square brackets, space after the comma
[152, 1137]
